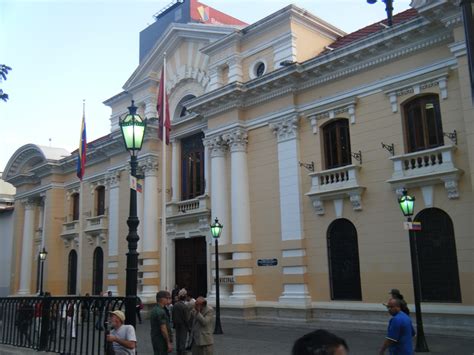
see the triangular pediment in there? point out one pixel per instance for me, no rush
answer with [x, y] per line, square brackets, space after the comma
[191, 36]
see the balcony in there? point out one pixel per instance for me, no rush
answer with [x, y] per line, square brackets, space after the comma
[180, 211]
[335, 184]
[425, 168]
[70, 232]
[96, 229]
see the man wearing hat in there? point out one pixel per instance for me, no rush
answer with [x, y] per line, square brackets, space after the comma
[122, 336]
[160, 325]
[181, 314]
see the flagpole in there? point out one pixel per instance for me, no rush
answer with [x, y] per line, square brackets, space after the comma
[164, 248]
[79, 254]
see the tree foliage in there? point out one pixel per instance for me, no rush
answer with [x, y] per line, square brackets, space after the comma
[4, 69]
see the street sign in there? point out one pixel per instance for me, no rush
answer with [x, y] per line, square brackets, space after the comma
[267, 262]
[226, 280]
[412, 226]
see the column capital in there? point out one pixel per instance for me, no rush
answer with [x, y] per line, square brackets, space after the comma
[216, 144]
[149, 166]
[285, 128]
[113, 178]
[30, 203]
[236, 139]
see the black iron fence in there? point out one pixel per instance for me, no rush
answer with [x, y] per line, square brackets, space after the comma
[65, 325]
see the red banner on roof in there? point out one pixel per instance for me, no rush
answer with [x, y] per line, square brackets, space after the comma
[206, 14]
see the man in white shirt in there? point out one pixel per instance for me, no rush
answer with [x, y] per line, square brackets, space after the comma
[122, 337]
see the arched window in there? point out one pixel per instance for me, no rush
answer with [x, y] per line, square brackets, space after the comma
[192, 167]
[343, 255]
[100, 200]
[98, 271]
[422, 123]
[337, 143]
[75, 207]
[436, 246]
[181, 110]
[72, 273]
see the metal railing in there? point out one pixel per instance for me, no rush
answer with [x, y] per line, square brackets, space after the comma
[65, 325]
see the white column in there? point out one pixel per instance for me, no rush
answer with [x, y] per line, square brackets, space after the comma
[150, 224]
[175, 159]
[219, 198]
[113, 181]
[207, 175]
[291, 215]
[27, 248]
[240, 207]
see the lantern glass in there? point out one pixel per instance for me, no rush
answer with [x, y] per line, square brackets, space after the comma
[43, 254]
[133, 129]
[407, 204]
[216, 229]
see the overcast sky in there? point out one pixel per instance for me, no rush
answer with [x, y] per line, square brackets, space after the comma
[64, 51]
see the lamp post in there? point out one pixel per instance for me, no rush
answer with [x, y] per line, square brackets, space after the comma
[216, 230]
[133, 131]
[42, 255]
[407, 205]
[388, 9]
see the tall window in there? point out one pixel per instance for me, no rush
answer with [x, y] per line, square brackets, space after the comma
[422, 120]
[192, 167]
[100, 200]
[98, 271]
[337, 143]
[72, 273]
[75, 207]
[436, 244]
[343, 255]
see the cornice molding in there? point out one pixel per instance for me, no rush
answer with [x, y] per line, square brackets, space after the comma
[315, 72]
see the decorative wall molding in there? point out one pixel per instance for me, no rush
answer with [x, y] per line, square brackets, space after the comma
[346, 109]
[418, 86]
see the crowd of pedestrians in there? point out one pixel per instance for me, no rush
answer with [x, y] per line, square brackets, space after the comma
[182, 324]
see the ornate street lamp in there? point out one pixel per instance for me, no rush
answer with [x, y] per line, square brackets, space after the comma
[133, 131]
[388, 9]
[216, 230]
[42, 255]
[407, 205]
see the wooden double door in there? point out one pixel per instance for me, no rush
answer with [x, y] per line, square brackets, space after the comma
[191, 265]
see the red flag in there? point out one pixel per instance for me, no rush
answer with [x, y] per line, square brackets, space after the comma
[163, 106]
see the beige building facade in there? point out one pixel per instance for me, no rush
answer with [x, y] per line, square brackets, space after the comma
[299, 138]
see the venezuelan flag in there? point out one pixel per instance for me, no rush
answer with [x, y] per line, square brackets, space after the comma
[81, 152]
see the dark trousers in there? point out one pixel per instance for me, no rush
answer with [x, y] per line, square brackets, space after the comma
[181, 335]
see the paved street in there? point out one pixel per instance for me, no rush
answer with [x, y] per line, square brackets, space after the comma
[244, 338]
[248, 338]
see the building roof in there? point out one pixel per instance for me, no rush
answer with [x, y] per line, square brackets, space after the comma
[371, 29]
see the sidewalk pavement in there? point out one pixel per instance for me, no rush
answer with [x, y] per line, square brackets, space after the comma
[264, 338]
[257, 338]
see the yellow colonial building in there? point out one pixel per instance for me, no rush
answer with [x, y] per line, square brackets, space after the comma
[299, 138]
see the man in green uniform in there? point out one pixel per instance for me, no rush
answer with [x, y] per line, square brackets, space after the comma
[160, 325]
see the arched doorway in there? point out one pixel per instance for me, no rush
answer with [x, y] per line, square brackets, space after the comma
[98, 271]
[72, 273]
[436, 245]
[343, 256]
